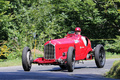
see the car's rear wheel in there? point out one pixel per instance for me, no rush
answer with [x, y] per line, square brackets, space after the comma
[100, 56]
[26, 59]
[70, 59]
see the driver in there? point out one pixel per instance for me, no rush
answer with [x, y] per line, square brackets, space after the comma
[78, 32]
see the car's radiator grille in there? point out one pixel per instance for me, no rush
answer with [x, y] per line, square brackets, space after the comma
[49, 51]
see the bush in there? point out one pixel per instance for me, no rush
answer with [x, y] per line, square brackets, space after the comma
[114, 71]
[21, 19]
[4, 51]
[113, 47]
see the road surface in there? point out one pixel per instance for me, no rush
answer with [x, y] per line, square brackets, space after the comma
[86, 71]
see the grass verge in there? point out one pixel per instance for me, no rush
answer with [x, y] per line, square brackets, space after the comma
[112, 56]
[13, 62]
[114, 71]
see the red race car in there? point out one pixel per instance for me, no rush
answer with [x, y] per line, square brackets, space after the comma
[65, 52]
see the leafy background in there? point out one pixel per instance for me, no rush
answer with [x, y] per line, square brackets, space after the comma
[20, 20]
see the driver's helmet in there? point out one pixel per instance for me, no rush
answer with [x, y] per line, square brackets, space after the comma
[77, 29]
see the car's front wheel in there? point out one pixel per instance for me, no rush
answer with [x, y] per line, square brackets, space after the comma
[70, 59]
[26, 59]
[100, 56]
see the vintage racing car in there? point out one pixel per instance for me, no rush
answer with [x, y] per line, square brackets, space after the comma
[65, 52]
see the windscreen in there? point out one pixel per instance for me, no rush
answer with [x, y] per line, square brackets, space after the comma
[71, 32]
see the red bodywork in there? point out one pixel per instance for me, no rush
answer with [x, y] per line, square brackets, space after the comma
[55, 51]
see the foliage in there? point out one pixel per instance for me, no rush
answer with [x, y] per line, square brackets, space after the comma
[4, 17]
[114, 71]
[108, 10]
[20, 20]
[4, 51]
[115, 46]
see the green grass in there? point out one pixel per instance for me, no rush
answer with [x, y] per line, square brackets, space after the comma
[112, 56]
[14, 62]
[114, 71]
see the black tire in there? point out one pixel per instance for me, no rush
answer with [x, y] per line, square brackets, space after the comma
[62, 66]
[70, 59]
[100, 56]
[26, 59]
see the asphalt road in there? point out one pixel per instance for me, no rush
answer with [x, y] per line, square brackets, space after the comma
[86, 71]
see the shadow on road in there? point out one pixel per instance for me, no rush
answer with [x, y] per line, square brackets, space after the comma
[58, 69]
[48, 76]
[31, 76]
